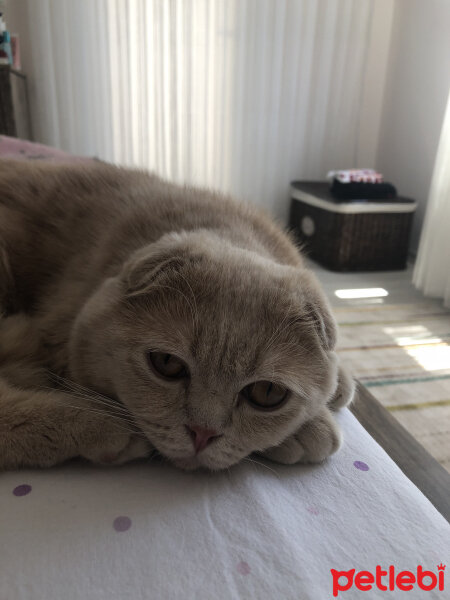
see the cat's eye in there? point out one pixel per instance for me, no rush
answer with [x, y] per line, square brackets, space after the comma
[264, 395]
[167, 365]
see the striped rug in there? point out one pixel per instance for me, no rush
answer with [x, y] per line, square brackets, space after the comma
[401, 353]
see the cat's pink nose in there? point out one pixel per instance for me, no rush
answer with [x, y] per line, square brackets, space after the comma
[201, 437]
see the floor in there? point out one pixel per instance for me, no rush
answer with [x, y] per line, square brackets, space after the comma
[397, 343]
[432, 479]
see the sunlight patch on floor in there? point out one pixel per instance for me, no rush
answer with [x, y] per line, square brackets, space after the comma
[361, 293]
[431, 358]
[405, 335]
[429, 351]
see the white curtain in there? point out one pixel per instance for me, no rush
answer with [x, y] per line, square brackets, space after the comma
[239, 95]
[432, 270]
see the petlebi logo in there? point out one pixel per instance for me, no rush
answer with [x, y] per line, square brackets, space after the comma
[388, 580]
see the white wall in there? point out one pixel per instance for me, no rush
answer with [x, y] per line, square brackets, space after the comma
[416, 93]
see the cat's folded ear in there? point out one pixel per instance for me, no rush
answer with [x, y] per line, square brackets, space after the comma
[145, 269]
[318, 311]
[154, 264]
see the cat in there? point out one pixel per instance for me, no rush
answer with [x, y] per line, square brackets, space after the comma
[141, 317]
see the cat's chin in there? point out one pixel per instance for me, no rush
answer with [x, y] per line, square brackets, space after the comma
[187, 464]
[192, 463]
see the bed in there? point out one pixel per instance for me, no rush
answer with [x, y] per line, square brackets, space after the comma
[147, 531]
[260, 530]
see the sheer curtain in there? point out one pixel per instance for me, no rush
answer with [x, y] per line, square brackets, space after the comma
[239, 95]
[432, 270]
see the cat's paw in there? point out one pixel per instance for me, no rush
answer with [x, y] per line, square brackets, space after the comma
[345, 390]
[112, 445]
[136, 448]
[313, 442]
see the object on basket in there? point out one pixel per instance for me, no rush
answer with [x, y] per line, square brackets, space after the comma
[362, 191]
[351, 236]
[355, 175]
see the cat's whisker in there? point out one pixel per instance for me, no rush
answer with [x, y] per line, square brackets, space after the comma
[131, 426]
[91, 393]
[276, 334]
[85, 393]
[196, 315]
[101, 413]
[154, 286]
[193, 313]
[256, 462]
[112, 407]
[124, 429]
[109, 409]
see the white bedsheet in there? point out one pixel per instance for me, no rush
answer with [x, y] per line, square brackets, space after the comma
[149, 531]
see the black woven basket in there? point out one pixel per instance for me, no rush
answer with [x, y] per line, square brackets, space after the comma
[371, 239]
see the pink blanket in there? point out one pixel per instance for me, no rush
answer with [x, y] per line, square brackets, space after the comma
[24, 150]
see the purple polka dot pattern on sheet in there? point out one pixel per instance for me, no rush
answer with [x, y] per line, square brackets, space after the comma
[22, 490]
[122, 523]
[361, 465]
[243, 568]
[313, 510]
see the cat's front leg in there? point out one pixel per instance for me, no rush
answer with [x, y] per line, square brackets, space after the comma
[313, 442]
[42, 429]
